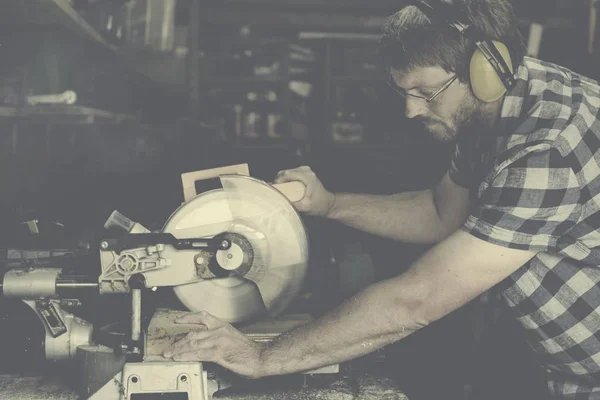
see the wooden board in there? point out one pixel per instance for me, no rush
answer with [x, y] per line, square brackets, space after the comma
[71, 113]
[294, 190]
[64, 114]
[163, 331]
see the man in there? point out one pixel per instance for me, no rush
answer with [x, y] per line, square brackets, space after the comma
[519, 205]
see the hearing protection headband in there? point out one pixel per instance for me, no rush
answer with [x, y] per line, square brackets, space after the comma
[436, 10]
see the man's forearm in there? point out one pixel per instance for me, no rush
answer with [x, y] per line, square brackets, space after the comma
[410, 217]
[363, 324]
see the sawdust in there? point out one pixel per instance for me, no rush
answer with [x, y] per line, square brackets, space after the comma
[347, 387]
[286, 394]
[378, 388]
[34, 388]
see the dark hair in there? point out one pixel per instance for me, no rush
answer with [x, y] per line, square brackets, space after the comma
[410, 39]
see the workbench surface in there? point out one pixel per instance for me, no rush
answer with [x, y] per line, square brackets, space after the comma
[17, 387]
[348, 385]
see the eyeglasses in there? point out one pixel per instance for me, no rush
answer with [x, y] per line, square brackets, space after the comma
[429, 99]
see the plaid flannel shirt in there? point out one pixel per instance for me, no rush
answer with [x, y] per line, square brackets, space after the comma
[537, 187]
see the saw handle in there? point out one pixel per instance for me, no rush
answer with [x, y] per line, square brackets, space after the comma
[294, 190]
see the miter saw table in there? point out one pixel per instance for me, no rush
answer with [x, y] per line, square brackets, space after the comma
[358, 380]
[240, 253]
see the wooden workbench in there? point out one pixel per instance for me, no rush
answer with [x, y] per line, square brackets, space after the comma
[17, 387]
[351, 384]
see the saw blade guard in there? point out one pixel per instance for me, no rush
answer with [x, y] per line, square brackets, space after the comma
[267, 221]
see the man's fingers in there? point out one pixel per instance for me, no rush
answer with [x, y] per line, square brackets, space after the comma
[283, 176]
[203, 350]
[294, 175]
[201, 318]
[206, 355]
[192, 341]
[198, 335]
[297, 174]
[280, 177]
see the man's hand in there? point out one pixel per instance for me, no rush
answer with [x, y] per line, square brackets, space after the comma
[220, 343]
[317, 200]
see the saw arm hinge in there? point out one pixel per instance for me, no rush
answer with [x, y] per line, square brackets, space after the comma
[160, 258]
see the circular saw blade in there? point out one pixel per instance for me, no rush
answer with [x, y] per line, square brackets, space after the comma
[260, 213]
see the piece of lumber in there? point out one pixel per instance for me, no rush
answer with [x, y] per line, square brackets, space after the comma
[163, 331]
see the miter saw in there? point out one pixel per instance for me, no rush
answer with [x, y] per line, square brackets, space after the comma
[239, 252]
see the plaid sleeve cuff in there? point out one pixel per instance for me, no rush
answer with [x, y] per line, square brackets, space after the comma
[506, 237]
[531, 204]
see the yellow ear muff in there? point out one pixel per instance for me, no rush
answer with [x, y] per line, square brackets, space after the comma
[485, 82]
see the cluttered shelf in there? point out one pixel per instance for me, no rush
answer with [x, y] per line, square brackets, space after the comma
[236, 80]
[65, 113]
[356, 79]
[52, 12]
[117, 29]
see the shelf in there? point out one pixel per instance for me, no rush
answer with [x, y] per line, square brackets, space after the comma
[344, 19]
[262, 146]
[382, 6]
[358, 79]
[67, 114]
[357, 146]
[233, 80]
[8, 112]
[51, 13]
[341, 36]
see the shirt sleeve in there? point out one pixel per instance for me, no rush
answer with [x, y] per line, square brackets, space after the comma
[531, 204]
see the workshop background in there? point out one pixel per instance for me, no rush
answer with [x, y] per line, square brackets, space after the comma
[164, 87]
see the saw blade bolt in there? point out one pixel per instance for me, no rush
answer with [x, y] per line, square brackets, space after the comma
[201, 265]
[104, 245]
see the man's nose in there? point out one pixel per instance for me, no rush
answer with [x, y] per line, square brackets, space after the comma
[415, 107]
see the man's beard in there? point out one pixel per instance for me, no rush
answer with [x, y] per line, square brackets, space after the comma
[438, 129]
[469, 119]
